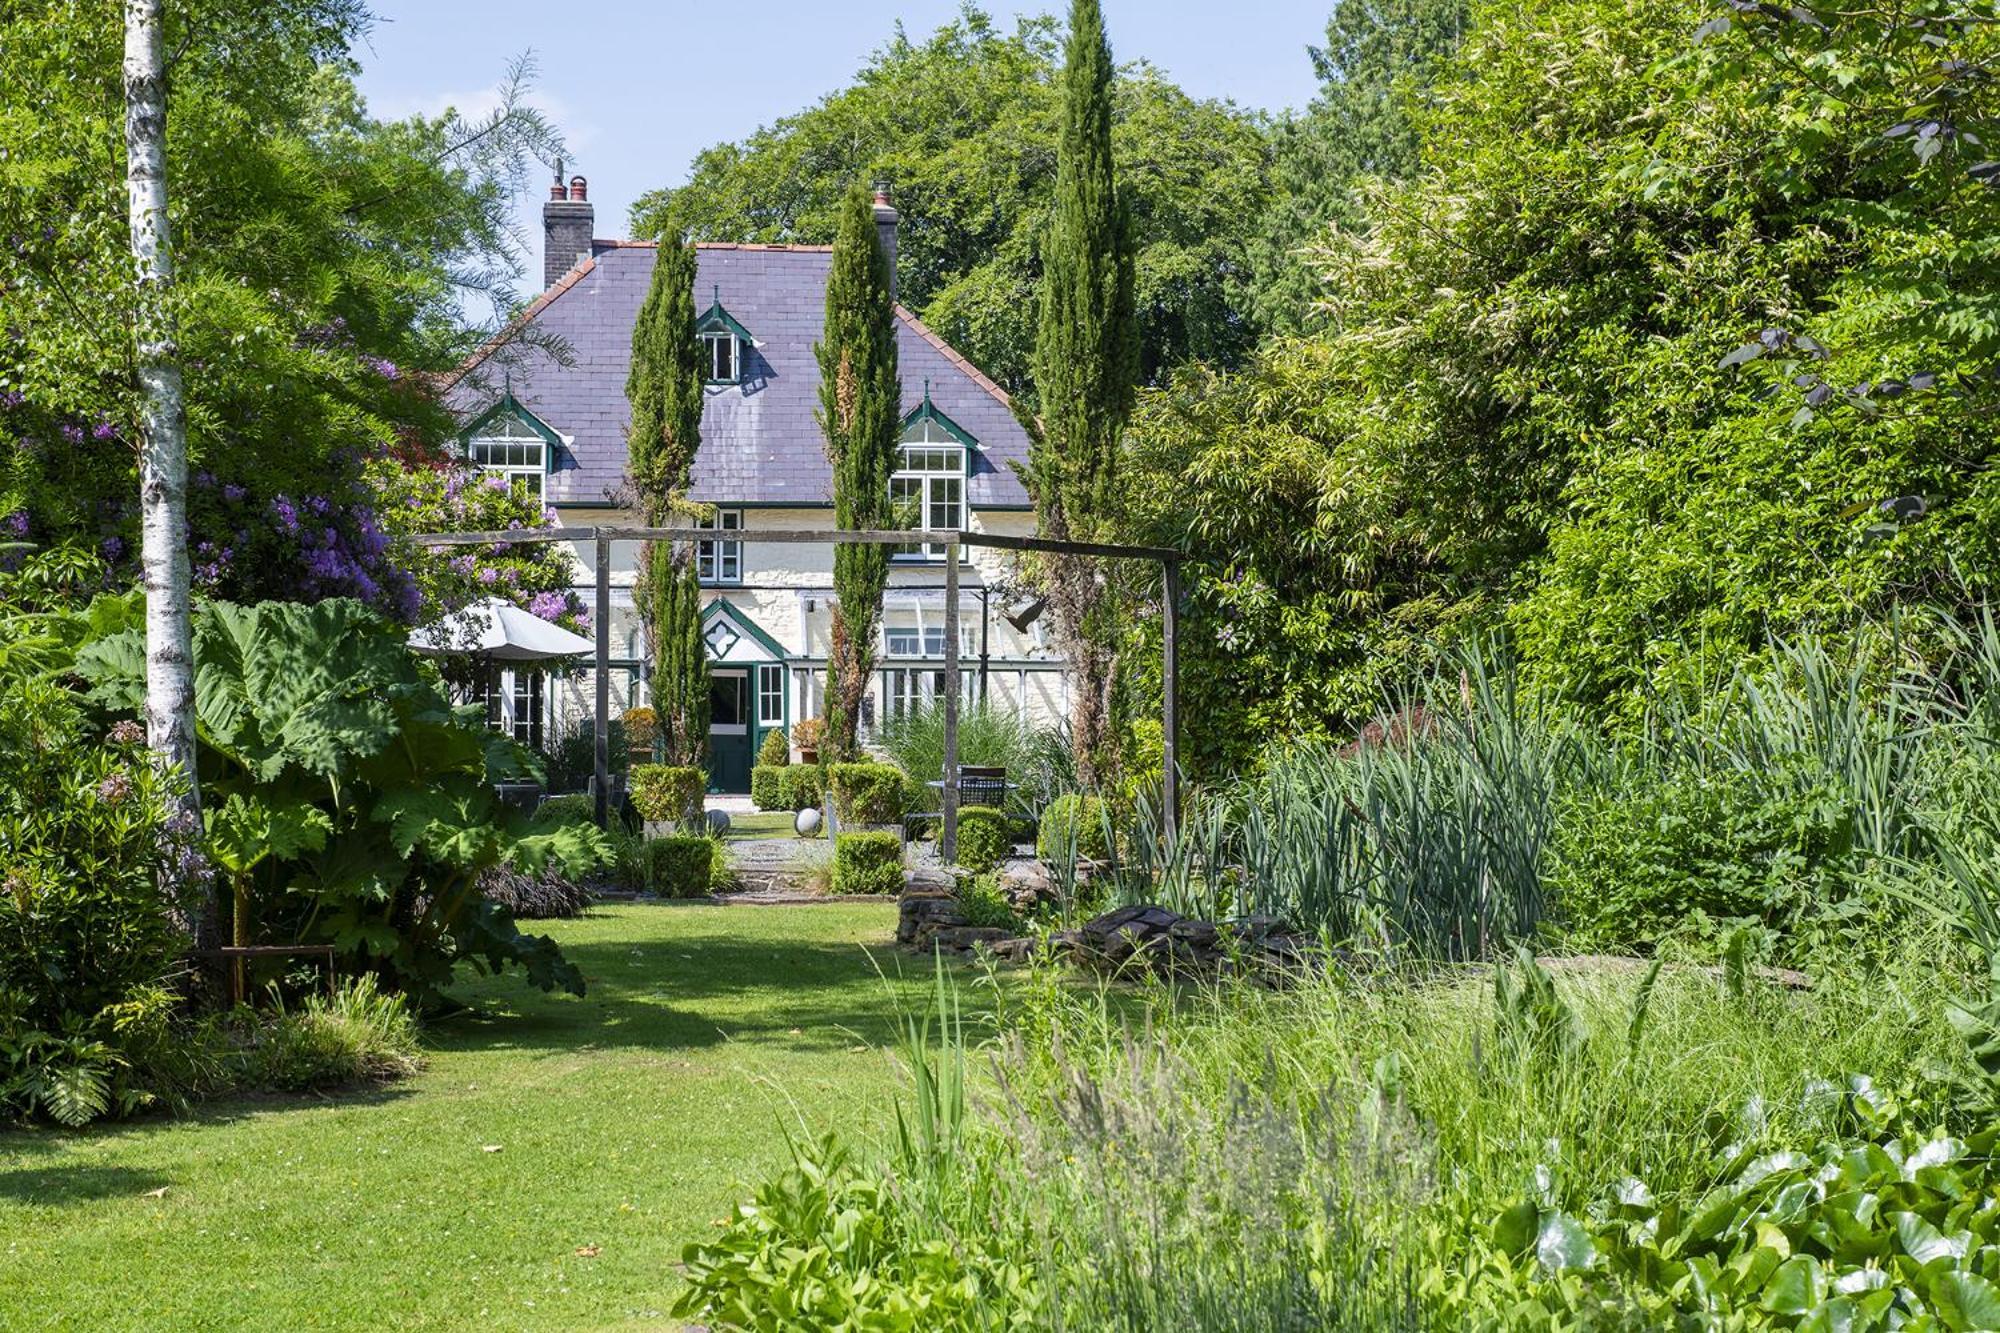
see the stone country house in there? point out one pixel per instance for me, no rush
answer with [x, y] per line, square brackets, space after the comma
[560, 430]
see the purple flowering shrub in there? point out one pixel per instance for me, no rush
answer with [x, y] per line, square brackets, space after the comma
[452, 496]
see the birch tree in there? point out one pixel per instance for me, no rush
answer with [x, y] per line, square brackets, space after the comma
[163, 413]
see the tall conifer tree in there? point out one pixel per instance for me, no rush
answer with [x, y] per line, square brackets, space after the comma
[664, 388]
[860, 414]
[1086, 367]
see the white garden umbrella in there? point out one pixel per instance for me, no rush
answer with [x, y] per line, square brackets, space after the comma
[499, 630]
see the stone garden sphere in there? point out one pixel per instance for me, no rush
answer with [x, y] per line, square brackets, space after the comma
[806, 822]
[718, 821]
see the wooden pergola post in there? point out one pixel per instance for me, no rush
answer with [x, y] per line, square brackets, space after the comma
[948, 834]
[1170, 681]
[602, 745]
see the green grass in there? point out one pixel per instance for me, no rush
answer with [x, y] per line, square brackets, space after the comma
[624, 1121]
[763, 824]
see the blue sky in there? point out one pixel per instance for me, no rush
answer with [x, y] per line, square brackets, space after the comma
[639, 88]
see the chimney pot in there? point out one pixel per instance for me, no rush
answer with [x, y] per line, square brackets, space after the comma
[568, 223]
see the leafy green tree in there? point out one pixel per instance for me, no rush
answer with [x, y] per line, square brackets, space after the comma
[323, 261]
[860, 416]
[1379, 55]
[1518, 413]
[1086, 362]
[965, 124]
[664, 388]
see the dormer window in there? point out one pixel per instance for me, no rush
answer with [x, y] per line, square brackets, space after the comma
[720, 362]
[723, 341]
[929, 481]
[509, 441]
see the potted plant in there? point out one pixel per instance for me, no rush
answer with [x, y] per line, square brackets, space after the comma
[809, 735]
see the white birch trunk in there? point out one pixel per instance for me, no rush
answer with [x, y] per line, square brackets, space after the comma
[163, 429]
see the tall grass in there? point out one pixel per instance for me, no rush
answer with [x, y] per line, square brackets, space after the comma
[1333, 1156]
[1433, 840]
[988, 736]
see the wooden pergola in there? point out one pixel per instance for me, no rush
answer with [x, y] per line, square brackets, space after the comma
[603, 537]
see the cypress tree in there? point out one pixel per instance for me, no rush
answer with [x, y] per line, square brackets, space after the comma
[680, 658]
[664, 389]
[664, 385]
[860, 414]
[1086, 368]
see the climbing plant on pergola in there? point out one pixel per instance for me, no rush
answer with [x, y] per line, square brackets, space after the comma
[603, 538]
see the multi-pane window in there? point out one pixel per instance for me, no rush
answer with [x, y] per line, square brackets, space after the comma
[770, 696]
[910, 689]
[513, 701]
[509, 447]
[909, 641]
[929, 483]
[720, 561]
[720, 357]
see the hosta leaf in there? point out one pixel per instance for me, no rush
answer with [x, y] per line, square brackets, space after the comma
[1922, 1241]
[1516, 1229]
[1965, 1301]
[1563, 1243]
[1796, 1287]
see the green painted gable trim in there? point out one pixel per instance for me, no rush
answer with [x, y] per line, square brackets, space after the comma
[510, 405]
[929, 411]
[747, 621]
[719, 320]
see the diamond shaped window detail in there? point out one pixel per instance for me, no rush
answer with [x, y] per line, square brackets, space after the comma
[721, 638]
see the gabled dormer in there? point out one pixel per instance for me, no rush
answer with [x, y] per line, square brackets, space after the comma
[932, 465]
[507, 440]
[723, 342]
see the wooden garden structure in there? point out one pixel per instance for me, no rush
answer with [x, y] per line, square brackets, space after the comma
[603, 537]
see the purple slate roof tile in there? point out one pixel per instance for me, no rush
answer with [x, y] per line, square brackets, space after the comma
[759, 442]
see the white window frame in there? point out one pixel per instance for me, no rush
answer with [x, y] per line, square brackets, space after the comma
[720, 561]
[907, 687]
[770, 695]
[925, 642]
[930, 468]
[516, 702]
[522, 452]
[712, 350]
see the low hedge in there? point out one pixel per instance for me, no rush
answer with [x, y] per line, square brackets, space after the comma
[867, 793]
[680, 866]
[867, 863]
[571, 809]
[985, 837]
[767, 787]
[669, 794]
[1072, 826]
[801, 787]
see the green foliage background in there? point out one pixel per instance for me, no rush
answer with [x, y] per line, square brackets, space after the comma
[1516, 413]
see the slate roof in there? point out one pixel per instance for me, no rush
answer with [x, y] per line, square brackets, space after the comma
[759, 442]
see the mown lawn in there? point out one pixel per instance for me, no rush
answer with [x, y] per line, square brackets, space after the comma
[622, 1121]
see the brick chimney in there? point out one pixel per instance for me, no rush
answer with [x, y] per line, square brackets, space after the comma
[885, 228]
[568, 222]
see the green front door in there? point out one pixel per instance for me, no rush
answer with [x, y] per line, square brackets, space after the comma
[729, 731]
